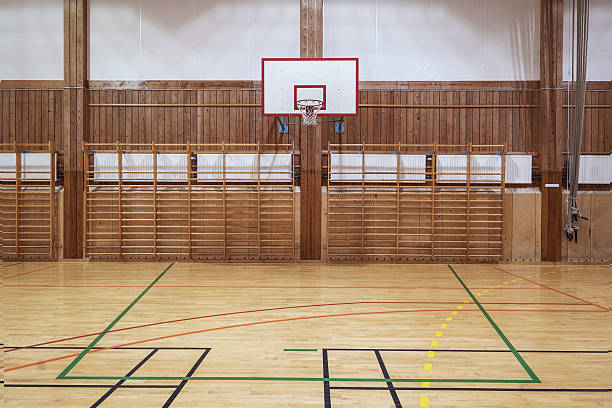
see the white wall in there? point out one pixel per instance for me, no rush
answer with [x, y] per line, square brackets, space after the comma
[31, 39]
[599, 58]
[190, 39]
[435, 40]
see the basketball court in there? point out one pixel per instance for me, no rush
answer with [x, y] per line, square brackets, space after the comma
[314, 203]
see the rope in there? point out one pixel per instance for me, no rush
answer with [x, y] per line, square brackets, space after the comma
[577, 87]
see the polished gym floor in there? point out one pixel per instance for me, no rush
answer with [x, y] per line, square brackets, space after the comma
[84, 334]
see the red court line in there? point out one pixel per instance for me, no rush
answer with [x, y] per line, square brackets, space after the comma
[278, 321]
[554, 290]
[273, 309]
[25, 273]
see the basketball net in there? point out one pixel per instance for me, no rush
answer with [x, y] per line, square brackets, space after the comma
[309, 109]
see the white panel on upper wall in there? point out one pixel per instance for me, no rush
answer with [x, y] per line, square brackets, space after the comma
[32, 39]
[441, 40]
[190, 39]
[599, 58]
[114, 40]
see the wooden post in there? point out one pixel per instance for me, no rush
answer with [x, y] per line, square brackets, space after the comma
[189, 181]
[119, 196]
[551, 127]
[17, 201]
[51, 199]
[311, 46]
[154, 148]
[468, 187]
[75, 121]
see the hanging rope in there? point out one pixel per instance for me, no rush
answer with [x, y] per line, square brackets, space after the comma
[576, 91]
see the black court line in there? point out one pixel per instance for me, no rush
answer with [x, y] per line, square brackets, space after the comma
[390, 385]
[475, 350]
[477, 389]
[119, 383]
[180, 387]
[326, 388]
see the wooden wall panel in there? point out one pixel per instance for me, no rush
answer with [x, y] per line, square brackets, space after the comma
[597, 132]
[445, 117]
[181, 123]
[31, 116]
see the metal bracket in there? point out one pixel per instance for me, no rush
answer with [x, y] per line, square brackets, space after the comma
[339, 126]
[283, 128]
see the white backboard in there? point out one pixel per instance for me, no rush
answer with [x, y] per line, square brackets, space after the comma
[335, 81]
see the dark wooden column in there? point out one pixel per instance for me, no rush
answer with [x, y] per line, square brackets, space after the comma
[75, 122]
[552, 138]
[311, 46]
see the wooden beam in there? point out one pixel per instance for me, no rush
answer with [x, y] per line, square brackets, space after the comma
[552, 138]
[75, 118]
[311, 46]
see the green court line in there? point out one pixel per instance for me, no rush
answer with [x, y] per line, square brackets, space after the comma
[501, 334]
[110, 326]
[63, 375]
[310, 379]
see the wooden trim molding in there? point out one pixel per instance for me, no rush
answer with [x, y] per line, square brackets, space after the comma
[32, 84]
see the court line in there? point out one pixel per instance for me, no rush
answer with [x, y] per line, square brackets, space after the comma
[554, 290]
[476, 389]
[326, 389]
[180, 387]
[260, 323]
[255, 287]
[258, 310]
[497, 329]
[114, 322]
[390, 386]
[307, 379]
[92, 350]
[119, 383]
[85, 386]
[25, 273]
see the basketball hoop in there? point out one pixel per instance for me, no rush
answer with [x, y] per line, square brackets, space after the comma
[309, 108]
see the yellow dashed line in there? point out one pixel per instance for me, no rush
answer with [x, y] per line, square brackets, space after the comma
[505, 283]
[485, 291]
[448, 319]
[435, 342]
[459, 307]
[431, 354]
[498, 286]
[443, 326]
[454, 313]
[424, 402]
[427, 367]
[479, 294]
[425, 384]
[439, 334]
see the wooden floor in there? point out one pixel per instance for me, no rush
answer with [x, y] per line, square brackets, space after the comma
[305, 335]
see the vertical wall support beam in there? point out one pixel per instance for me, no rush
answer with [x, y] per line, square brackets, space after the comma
[552, 138]
[311, 46]
[75, 121]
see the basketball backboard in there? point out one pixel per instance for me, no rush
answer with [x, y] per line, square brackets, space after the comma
[334, 81]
